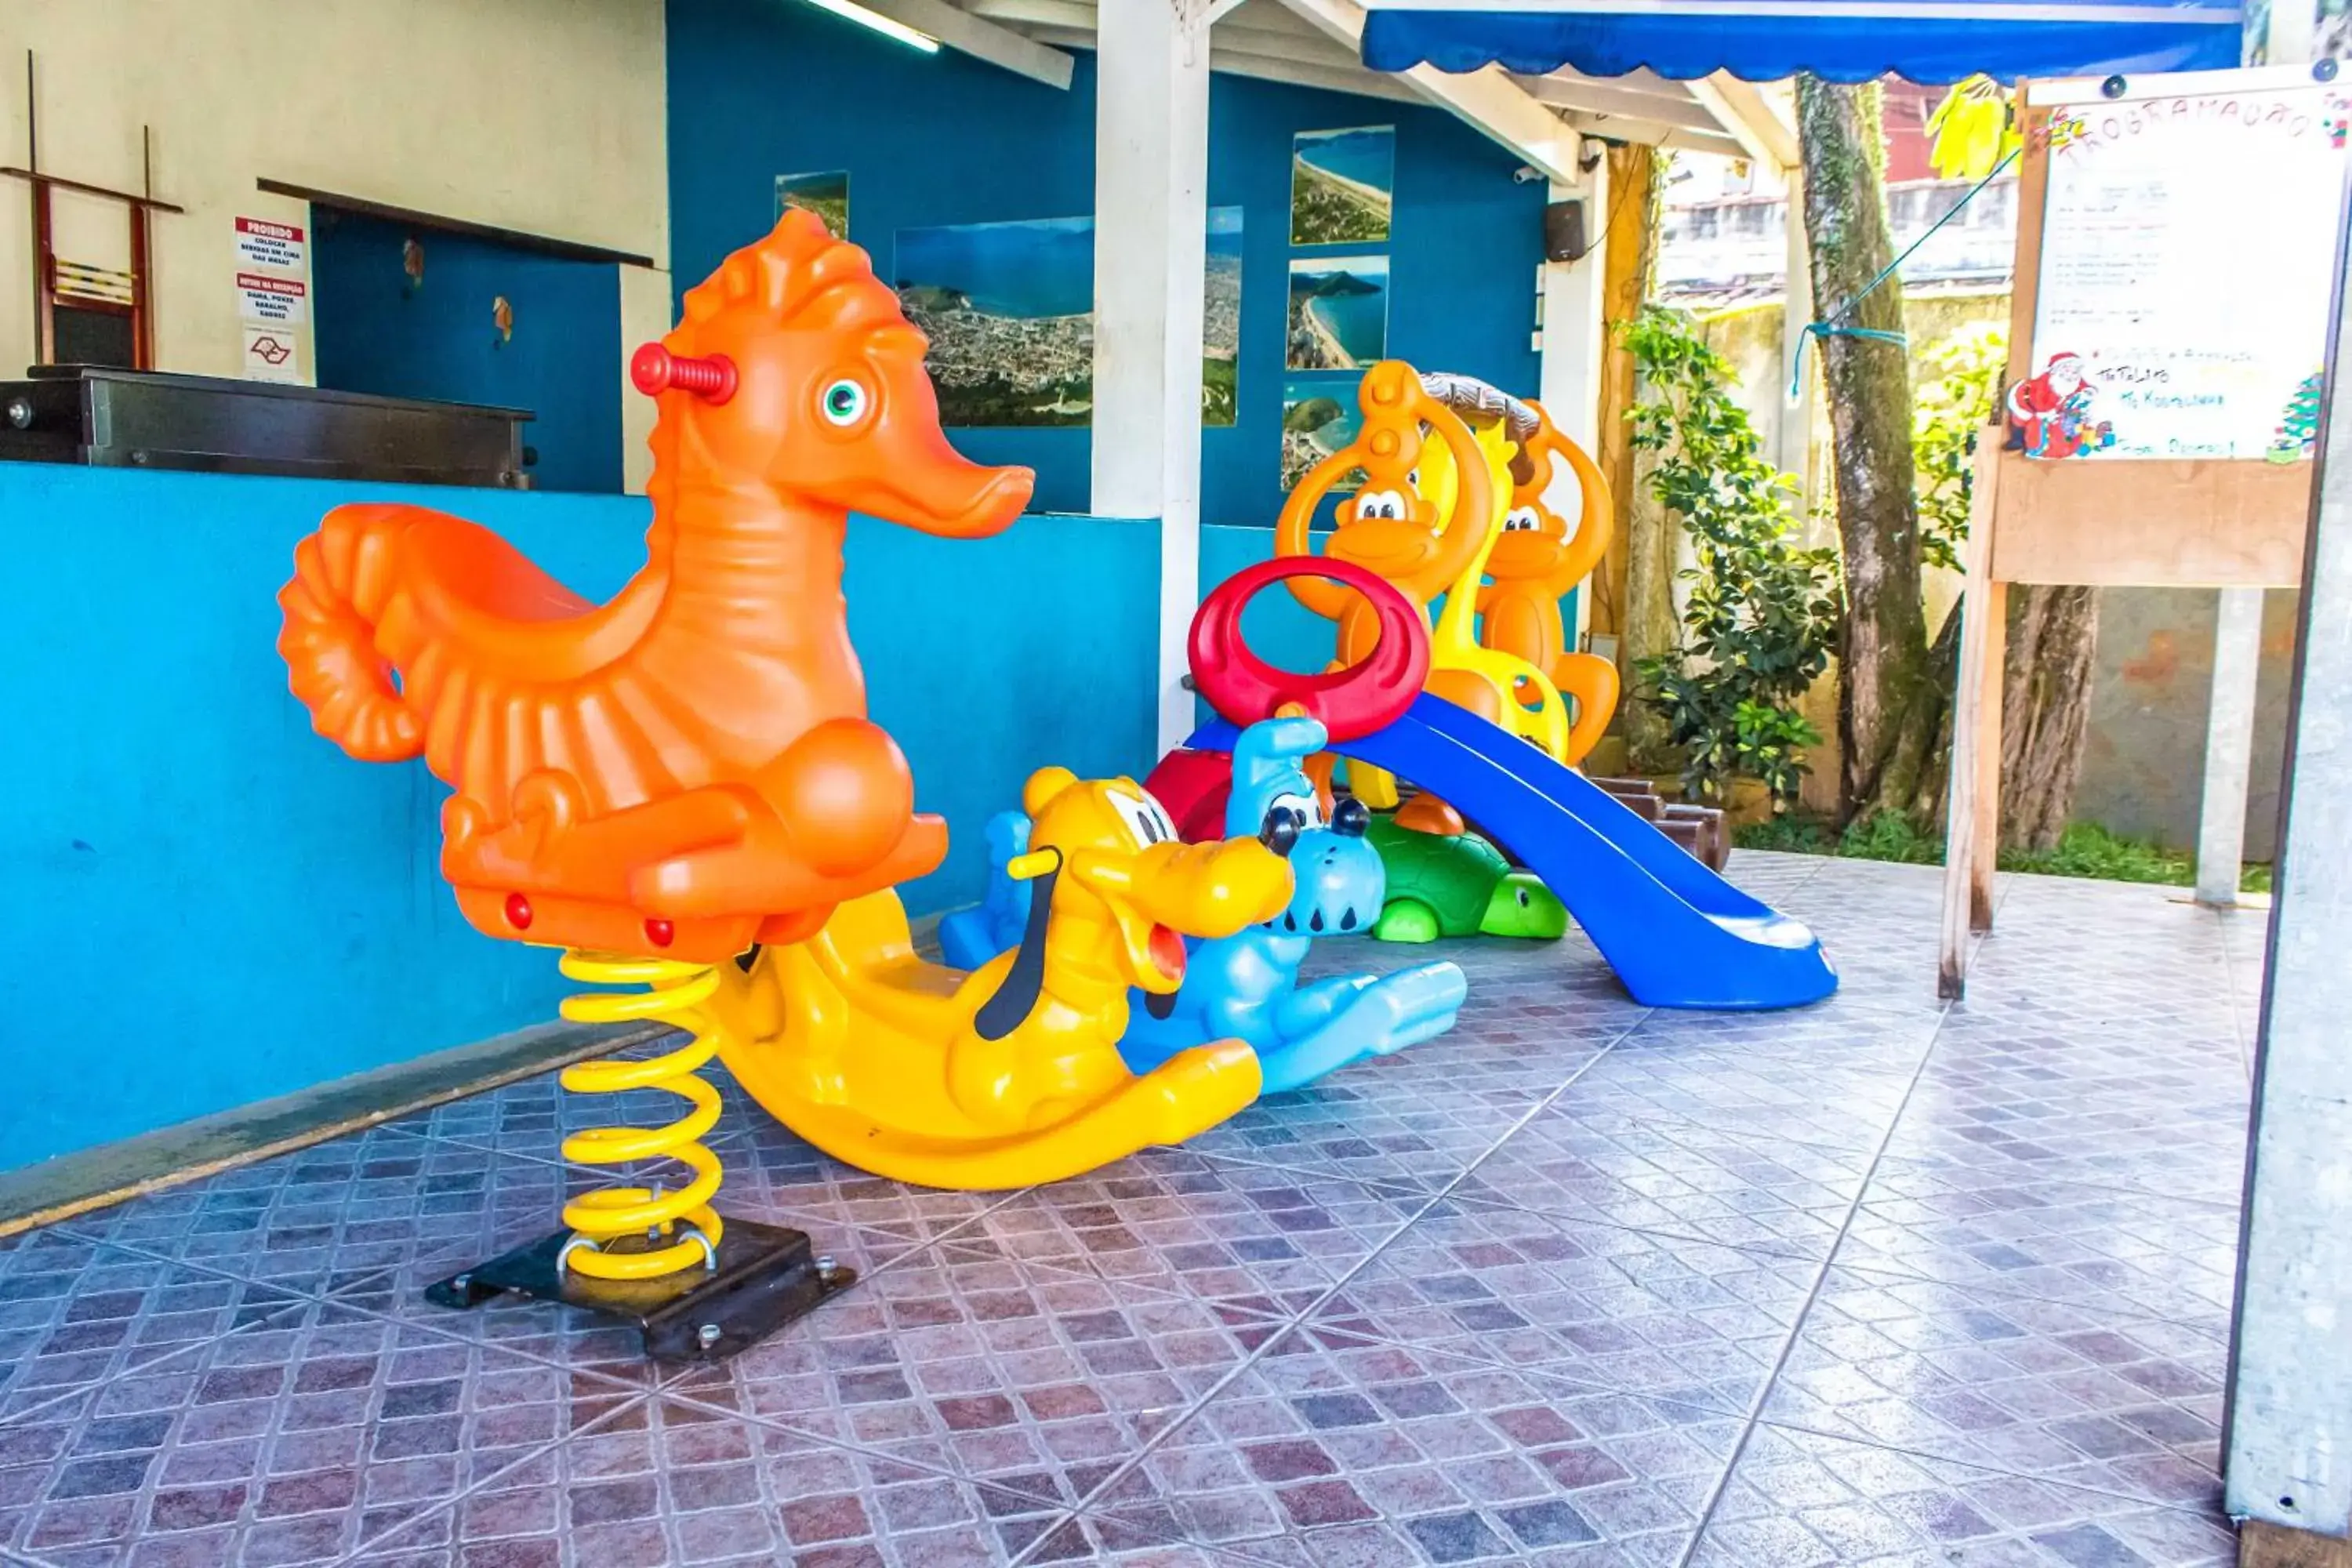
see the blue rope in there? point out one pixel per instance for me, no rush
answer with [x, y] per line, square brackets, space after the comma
[1833, 325]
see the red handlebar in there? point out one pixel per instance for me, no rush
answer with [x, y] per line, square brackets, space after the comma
[1348, 702]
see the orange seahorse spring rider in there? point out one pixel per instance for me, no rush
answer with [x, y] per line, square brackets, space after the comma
[689, 764]
[657, 782]
[662, 781]
[1533, 565]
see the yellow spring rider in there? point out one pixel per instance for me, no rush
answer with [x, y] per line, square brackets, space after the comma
[1428, 516]
[1010, 1074]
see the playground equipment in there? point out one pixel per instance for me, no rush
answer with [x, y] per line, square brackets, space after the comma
[1011, 1075]
[1245, 987]
[1676, 934]
[1457, 884]
[1535, 564]
[1425, 519]
[658, 782]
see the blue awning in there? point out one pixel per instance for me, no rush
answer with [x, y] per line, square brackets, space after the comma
[1927, 41]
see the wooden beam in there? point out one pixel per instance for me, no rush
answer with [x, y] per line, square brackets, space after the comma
[59, 182]
[1962, 817]
[1301, 73]
[1600, 98]
[1487, 100]
[2265, 1545]
[1075, 13]
[983, 39]
[1651, 134]
[567, 249]
[1753, 118]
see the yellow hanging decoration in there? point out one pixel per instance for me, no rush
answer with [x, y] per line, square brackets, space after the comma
[1973, 130]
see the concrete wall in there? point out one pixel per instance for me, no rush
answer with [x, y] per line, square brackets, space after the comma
[544, 116]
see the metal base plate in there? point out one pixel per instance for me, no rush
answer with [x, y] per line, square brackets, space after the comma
[767, 1277]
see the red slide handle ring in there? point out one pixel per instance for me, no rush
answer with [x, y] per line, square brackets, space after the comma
[1357, 700]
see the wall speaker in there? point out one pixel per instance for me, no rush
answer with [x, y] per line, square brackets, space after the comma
[1564, 232]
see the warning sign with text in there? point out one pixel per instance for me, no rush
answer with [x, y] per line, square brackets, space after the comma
[279, 301]
[261, 243]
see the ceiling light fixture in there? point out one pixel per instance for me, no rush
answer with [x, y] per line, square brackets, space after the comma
[850, 10]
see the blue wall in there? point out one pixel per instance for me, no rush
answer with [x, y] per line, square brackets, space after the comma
[375, 333]
[208, 904]
[761, 91]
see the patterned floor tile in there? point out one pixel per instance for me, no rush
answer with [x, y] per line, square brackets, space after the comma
[1746, 1188]
[669, 1482]
[296, 1439]
[2063, 1393]
[2127, 1254]
[1548, 1266]
[1334, 1448]
[1798, 1499]
[1265, 1241]
[1034, 1380]
[1593, 1306]
[76, 1314]
[324, 1217]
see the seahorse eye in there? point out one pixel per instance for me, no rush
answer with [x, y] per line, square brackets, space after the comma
[844, 401]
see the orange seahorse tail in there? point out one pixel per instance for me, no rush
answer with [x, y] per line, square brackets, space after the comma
[343, 576]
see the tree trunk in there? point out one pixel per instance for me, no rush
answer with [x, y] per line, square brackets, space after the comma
[2046, 708]
[1633, 591]
[1890, 705]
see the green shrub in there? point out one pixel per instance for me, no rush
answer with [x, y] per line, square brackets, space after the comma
[1958, 379]
[1762, 610]
[2085, 849]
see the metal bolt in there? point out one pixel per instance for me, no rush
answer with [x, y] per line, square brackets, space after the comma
[824, 1265]
[139, 459]
[706, 1335]
[20, 413]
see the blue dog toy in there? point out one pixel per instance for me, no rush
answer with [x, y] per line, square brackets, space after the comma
[1245, 987]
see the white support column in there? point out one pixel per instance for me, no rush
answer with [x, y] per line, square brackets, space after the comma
[2229, 746]
[1151, 219]
[1575, 343]
[2288, 1430]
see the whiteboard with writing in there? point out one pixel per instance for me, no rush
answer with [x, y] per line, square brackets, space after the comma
[2188, 256]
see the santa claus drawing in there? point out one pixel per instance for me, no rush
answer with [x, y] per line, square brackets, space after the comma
[2052, 411]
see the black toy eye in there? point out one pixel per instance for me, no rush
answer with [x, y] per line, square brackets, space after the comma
[1351, 817]
[1280, 833]
[1523, 898]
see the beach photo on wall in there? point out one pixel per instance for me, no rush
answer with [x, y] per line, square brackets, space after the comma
[1009, 308]
[1318, 418]
[1221, 318]
[826, 194]
[1339, 312]
[1340, 185]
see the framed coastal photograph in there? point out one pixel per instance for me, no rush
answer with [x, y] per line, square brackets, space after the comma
[1341, 186]
[1009, 308]
[1221, 318]
[1339, 312]
[1318, 418]
[826, 194]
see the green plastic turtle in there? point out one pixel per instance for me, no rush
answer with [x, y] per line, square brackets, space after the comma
[1458, 885]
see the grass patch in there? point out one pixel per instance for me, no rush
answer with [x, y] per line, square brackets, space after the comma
[2085, 849]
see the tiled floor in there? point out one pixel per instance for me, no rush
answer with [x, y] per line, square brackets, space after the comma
[1875, 1282]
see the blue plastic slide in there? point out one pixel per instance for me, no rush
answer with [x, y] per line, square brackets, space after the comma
[1677, 934]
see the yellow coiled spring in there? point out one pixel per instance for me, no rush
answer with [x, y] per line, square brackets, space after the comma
[676, 992]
